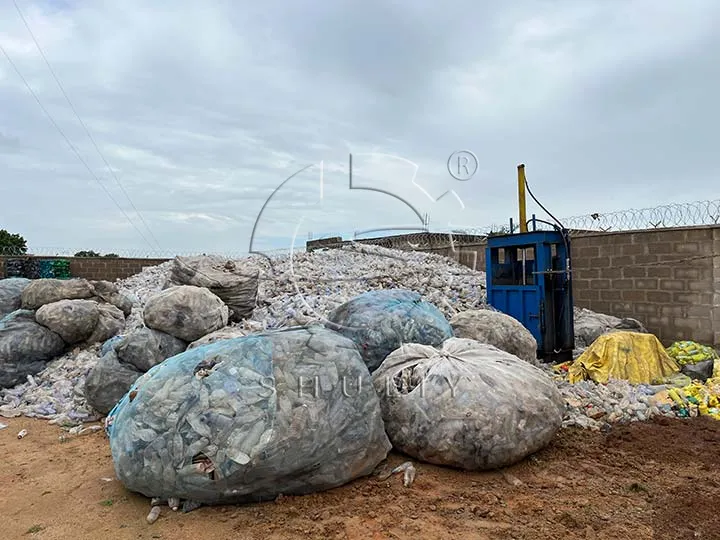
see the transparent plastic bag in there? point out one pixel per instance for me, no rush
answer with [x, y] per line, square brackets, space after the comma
[382, 320]
[247, 419]
[466, 404]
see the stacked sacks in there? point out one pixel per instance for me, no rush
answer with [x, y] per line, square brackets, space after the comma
[72, 310]
[381, 321]
[111, 321]
[236, 287]
[46, 291]
[72, 320]
[47, 269]
[695, 360]
[31, 268]
[466, 404]
[112, 306]
[105, 291]
[250, 418]
[109, 345]
[54, 314]
[172, 318]
[186, 312]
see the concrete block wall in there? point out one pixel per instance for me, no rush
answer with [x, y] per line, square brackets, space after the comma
[669, 279]
[98, 267]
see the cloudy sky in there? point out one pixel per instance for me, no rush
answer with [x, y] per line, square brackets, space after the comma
[174, 123]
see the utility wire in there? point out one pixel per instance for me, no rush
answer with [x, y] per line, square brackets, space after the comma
[87, 131]
[72, 147]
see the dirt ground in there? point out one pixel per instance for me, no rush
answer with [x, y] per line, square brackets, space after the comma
[658, 480]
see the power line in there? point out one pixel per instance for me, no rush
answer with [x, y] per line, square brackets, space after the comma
[72, 147]
[87, 131]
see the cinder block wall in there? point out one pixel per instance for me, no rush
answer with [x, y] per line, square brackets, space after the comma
[99, 267]
[668, 279]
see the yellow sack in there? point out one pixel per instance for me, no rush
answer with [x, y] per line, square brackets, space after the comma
[690, 352]
[631, 356]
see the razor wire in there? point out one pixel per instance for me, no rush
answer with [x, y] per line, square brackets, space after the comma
[690, 214]
[697, 213]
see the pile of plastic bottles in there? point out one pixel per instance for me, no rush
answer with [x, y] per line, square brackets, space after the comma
[690, 352]
[694, 399]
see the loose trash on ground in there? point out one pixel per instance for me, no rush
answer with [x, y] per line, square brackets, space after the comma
[694, 399]
[408, 470]
[154, 514]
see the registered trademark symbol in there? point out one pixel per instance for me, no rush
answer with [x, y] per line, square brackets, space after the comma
[462, 165]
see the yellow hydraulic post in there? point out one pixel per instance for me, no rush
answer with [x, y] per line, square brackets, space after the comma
[521, 198]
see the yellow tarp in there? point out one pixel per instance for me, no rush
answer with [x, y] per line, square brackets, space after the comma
[631, 356]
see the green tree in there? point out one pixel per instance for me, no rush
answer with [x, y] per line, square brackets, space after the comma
[12, 244]
[112, 255]
[87, 254]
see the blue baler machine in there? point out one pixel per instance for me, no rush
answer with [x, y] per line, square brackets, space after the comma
[529, 278]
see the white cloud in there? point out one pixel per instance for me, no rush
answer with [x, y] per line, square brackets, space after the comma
[204, 109]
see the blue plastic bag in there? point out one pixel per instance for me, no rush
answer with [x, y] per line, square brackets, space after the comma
[381, 321]
[246, 419]
[110, 344]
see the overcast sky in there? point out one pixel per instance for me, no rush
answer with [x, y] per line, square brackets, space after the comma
[198, 111]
